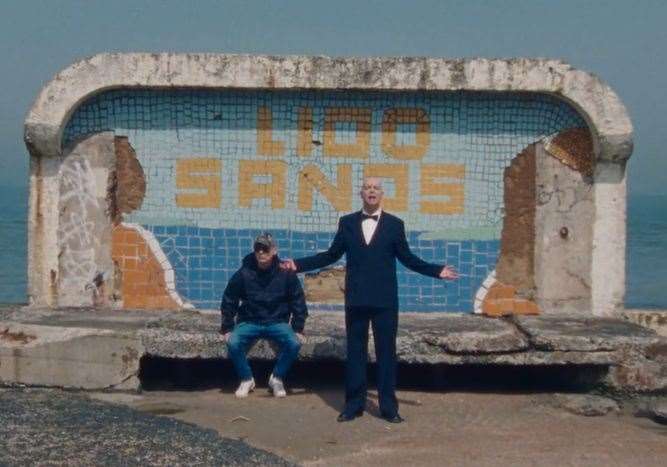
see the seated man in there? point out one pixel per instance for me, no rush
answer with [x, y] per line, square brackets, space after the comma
[263, 297]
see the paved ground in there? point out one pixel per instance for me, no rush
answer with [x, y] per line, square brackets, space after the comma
[51, 427]
[442, 428]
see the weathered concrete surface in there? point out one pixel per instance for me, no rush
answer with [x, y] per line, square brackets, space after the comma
[641, 355]
[445, 338]
[84, 228]
[652, 319]
[658, 412]
[609, 235]
[72, 357]
[586, 404]
[641, 370]
[591, 96]
[71, 348]
[87, 348]
[584, 334]
[563, 236]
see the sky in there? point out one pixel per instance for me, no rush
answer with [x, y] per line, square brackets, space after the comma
[623, 42]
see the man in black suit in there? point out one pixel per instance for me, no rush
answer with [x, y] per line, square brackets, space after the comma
[372, 241]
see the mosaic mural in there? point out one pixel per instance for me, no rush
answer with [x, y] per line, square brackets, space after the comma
[219, 167]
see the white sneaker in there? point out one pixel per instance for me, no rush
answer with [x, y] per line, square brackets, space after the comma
[276, 386]
[245, 387]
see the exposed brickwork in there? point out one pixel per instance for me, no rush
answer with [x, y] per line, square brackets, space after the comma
[127, 186]
[142, 276]
[516, 262]
[574, 148]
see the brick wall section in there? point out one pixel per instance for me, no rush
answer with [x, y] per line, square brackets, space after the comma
[516, 262]
[143, 283]
[127, 185]
[574, 148]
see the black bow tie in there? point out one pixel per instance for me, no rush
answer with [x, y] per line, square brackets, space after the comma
[365, 216]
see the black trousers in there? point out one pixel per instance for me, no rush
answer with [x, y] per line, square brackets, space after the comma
[385, 323]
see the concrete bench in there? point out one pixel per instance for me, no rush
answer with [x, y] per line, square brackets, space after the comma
[102, 349]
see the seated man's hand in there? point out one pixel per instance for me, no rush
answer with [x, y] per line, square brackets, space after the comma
[226, 335]
[448, 272]
[301, 338]
[288, 265]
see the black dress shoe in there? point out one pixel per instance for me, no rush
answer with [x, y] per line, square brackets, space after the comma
[347, 417]
[393, 418]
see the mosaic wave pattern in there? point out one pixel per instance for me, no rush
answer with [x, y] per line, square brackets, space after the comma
[221, 166]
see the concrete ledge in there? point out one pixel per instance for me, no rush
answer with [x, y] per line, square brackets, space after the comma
[652, 319]
[584, 334]
[433, 338]
[93, 349]
[82, 358]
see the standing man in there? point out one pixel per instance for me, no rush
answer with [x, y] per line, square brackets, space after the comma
[372, 241]
[263, 298]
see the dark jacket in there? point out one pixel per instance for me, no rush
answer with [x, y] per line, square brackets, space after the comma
[370, 278]
[263, 297]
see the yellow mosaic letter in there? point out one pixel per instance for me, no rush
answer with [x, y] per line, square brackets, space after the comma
[311, 178]
[404, 115]
[273, 190]
[198, 174]
[361, 117]
[304, 144]
[431, 186]
[266, 146]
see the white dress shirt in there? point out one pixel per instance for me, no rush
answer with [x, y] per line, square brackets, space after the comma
[368, 226]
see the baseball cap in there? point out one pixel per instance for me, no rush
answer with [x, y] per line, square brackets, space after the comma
[264, 241]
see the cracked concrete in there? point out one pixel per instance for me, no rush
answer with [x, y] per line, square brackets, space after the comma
[564, 235]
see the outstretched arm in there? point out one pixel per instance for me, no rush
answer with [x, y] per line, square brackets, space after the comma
[320, 260]
[413, 262]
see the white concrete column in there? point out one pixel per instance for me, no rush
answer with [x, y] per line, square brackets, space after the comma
[43, 231]
[608, 266]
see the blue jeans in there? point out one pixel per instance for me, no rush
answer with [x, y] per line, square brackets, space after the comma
[245, 334]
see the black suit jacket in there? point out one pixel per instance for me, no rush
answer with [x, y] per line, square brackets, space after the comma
[370, 278]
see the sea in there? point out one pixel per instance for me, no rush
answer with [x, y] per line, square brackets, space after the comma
[646, 265]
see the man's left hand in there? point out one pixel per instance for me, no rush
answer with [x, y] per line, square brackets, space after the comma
[448, 272]
[301, 338]
[288, 265]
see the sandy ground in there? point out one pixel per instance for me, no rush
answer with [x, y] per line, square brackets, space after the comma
[441, 428]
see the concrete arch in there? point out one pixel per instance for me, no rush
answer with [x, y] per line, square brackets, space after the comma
[588, 94]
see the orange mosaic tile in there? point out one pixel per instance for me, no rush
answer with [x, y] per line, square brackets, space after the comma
[501, 300]
[143, 284]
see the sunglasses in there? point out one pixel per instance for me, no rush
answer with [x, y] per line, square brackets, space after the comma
[259, 248]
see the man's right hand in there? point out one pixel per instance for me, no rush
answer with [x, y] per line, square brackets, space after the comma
[226, 336]
[288, 265]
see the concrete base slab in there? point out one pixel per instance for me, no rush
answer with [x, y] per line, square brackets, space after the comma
[98, 349]
[69, 357]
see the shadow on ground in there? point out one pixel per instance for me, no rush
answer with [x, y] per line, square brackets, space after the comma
[324, 377]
